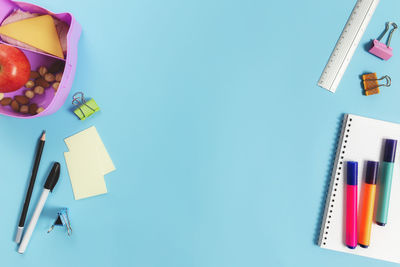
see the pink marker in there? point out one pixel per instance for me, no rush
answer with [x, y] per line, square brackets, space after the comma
[351, 204]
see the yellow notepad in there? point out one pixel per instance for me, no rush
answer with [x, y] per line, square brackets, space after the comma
[85, 175]
[89, 140]
[39, 32]
[87, 162]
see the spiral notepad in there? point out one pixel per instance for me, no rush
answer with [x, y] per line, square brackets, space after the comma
[362, 139]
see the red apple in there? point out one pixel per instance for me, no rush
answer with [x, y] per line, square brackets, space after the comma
[14, 68]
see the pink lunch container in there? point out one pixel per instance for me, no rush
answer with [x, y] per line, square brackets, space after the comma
[50, 100]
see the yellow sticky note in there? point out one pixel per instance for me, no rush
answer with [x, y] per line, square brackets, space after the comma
[89, 140]
[85, 175]
[39, 32]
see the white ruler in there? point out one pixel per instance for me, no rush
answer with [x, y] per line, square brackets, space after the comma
[347, 44]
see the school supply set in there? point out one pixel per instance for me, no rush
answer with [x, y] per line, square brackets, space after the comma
[87, 161]
[38, 56]
[45, 48]
[363, 201]
[347, 44]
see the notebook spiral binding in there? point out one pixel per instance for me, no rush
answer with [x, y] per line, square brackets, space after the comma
[336, 175]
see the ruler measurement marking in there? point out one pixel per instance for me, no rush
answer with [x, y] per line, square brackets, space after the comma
[347, 44]
[353, 44]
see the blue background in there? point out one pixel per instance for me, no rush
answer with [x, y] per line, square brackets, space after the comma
[222, 141]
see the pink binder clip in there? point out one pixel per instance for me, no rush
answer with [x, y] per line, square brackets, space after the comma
[381, 50]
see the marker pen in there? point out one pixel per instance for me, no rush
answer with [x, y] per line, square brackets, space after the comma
[385, 182]
[367, 204]
[351, 204]
[51, 182]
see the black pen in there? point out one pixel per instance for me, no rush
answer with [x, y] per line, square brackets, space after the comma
[35, 169]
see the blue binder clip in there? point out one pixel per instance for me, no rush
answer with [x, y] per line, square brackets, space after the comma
[62, 220]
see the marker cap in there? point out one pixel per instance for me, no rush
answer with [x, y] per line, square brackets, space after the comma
[390, 150]
[52, 179]
[352, 172]
[372, 172]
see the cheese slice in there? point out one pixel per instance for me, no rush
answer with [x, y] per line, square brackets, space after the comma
[39, 32]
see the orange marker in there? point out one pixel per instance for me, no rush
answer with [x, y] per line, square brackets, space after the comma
[367, 204]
